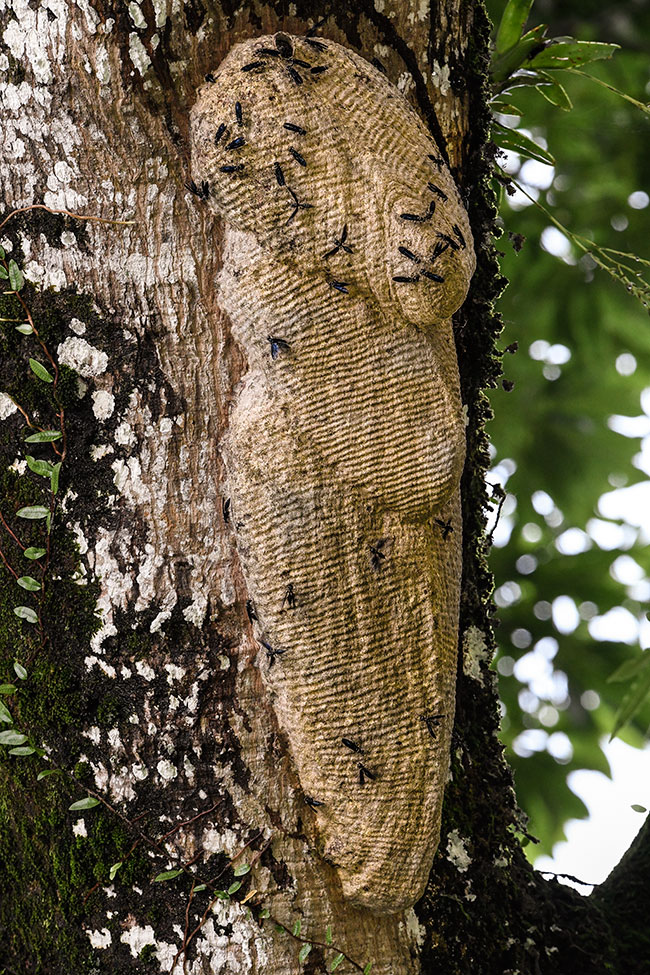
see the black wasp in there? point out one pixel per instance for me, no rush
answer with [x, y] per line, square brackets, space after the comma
[339, 244]
[250, 609]
[352, 745]
[341, 286]
[297, 206]
[225, 510]
[432, 721]
[296, 155]
[312, 803]
[289, 597]
[365, 773]
[284, 50]
[376, 554]
[414, 218]
[202, 191]
[277, 345]
[271, 652]
[446, 527]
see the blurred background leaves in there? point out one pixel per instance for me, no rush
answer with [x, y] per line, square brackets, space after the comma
[571, 440]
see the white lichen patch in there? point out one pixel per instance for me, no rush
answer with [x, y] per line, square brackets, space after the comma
[457, 851]
[475, 652]
[137, 937]
[7, 406]
[18, 467]
[103, 404]
[158, 621]
[195, 612]
[215, 841]
[79, 828]
[92, 661]
[174, 672]
[83, 357]
[165, 954]
[129, 482]
[440, 77]
[145, 670]
[166, 770]
[100, 939]
[98, 451]
[77, 326]
[416, 930]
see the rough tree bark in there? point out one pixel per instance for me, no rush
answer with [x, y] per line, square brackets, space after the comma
[156, 703]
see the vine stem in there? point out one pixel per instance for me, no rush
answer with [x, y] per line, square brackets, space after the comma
[13, 572]
[15, 537]
[67, 213]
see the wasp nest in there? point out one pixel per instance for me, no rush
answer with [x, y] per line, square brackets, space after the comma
[347, 250]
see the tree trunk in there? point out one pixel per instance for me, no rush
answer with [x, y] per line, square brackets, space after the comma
[159, 707]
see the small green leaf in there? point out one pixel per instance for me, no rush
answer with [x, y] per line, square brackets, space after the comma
[46, 772]
[20, 671]
[200, 887]
[222, 895]
[41, 467]
[28, 583]
[234, 887]
[87, 803]
[555, 93]
[24, 329]
[113, 870]
[638, 808]
[12, 738]
[3, 274]
[328, 934]
[166, 875]
[34, 553]
[16, 279]
[241, 870]
[504, 65]
[631, 668]
[368, 968]
[5, 715]
[8, 688]
[2, 254]
[632, 702]
[336, 961]
[54, 479]
[44, 436]
[264, 913]
[518, 142]
[22, 750]
[571, 54]
[296, 928]
[26, 613]
[505, 108]
[304, 951]
[33, 512]
[279, 928]
[512, 23]
[40, 371]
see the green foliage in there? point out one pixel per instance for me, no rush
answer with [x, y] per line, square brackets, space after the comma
[583, 358]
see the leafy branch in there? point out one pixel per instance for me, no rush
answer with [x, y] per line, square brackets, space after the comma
[627, 269]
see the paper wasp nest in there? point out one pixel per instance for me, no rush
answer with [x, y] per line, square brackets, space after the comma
[347, 250]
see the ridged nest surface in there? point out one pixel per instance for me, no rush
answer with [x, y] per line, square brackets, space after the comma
[347, 249]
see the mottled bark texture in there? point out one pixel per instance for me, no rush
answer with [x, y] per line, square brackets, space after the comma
[157, 703]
